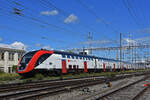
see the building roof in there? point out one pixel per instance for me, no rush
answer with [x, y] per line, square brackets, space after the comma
[12, 50]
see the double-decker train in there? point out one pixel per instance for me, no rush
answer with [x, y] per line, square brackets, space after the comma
[58, 62]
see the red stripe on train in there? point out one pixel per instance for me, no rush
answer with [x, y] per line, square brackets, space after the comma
[34, 59]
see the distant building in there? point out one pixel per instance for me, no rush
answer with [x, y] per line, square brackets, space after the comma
[9, 57]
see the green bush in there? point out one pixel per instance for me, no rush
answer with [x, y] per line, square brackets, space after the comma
[14, 68]
[8, 77]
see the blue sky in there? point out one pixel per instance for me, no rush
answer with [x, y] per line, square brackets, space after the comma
[66, 23]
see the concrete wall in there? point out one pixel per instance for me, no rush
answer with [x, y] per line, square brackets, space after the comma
[6, 64]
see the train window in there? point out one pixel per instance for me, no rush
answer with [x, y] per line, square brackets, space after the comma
[42, 59]
[77, 57]
[83, 58]
[68, 56]
[70, 67]
[80, 57]
[27, 57]
[63, 56]
[72, 57]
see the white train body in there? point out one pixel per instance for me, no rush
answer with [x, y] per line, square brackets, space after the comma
[64, 62]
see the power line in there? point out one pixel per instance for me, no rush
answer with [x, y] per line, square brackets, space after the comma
[32, 18]
[97, 17]
[44, 22]
[9, 14]
[129, 7]
[142, 13]
[66, 14]
[50, 4]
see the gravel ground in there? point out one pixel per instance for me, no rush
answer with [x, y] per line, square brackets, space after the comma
[146, 95]
[89, 92]
[128, 93]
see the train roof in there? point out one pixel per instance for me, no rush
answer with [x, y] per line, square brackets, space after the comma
[75, 54]
[81, 55]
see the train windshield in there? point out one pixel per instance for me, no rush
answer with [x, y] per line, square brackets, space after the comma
[26, 59]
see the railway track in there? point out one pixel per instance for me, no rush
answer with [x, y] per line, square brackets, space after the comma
[18, 86]
[144, 94]
[131, 91]
[51, 90]
[40, 89]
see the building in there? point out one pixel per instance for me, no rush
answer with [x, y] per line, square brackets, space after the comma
[9, 57]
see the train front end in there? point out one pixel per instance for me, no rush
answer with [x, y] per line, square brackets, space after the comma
[27, 64]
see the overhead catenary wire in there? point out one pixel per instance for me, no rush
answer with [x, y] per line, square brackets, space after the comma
[49, 6]
[9, 14]
[65, 13]
[127, 5]
[97, 17]
[46, 23]
[139, 9]
[36, 19]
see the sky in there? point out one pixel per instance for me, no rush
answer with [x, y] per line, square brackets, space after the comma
[65, 24]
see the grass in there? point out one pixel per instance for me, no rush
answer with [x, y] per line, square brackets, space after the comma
[9, 77]
[6, 77]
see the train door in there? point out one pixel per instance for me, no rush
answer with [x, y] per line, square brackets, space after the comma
[85, 66]
[104, 67]
[114, 68]
[64, 66]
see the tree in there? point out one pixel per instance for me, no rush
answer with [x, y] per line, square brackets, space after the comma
[14, 68]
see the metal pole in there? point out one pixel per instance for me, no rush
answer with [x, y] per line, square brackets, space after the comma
[120, 50]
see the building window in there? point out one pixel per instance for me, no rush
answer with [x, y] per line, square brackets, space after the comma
[2, 69]
[2, 56]
[19, 56]
[11, 56]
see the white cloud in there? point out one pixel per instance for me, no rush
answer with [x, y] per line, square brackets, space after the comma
[1, 39]
[46, 47]
[4, 45]
[51, 13]
[71, 18]
[18, 45]
[15, 45]
[130, 41]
